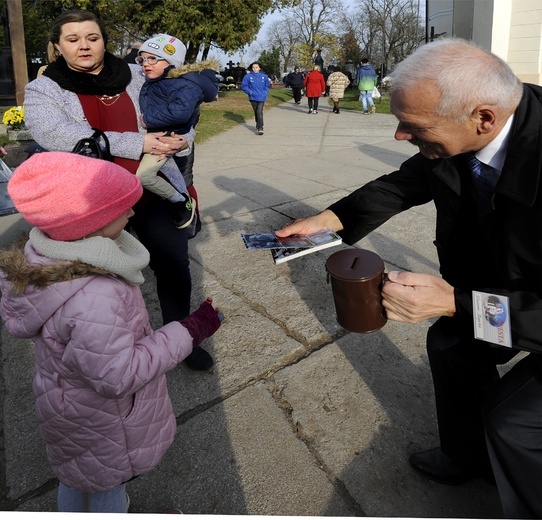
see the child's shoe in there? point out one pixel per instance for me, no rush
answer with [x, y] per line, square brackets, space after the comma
[183, 212]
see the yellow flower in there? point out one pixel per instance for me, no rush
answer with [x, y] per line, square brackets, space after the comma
[14, 117]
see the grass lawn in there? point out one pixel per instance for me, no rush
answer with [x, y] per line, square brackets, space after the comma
[233, 108]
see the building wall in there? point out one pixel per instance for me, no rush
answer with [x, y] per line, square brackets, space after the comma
[525, 40]
[512, 29]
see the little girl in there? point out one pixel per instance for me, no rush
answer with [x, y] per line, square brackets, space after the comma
[73, 288]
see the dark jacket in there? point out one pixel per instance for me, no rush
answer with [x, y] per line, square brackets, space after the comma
[294, 79]
[171, 102]
[500, 253]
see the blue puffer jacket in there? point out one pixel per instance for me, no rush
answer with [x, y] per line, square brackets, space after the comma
[256, 85]
[171, 102]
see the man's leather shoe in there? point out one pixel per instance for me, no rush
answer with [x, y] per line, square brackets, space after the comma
[436, 466]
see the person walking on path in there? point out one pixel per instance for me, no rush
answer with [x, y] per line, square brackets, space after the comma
[256, 85]
[315, 87]
[295, 81]
[366, 80]
[73, 287]
[481, 167]
[337, 83]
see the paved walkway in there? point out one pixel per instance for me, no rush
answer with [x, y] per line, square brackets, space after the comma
[298, 417]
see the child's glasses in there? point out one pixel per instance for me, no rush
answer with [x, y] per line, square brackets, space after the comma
[151, 60]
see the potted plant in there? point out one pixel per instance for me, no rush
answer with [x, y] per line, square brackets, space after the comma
[13, 118]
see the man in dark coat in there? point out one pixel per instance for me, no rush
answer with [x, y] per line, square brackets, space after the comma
[295, 81]
[489, 299]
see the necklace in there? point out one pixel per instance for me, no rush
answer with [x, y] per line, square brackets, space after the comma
[112, 99]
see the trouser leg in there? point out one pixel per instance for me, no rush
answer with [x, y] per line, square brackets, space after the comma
[148, 175]
[513, 421]
[257, 106]
[464, 372]
[110, 501]
[168, 248]
[363, 99]
[186, 165]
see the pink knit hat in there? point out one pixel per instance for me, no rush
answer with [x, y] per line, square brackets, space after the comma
[69, 196]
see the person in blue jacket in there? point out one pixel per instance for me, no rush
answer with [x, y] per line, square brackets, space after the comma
[169, 101]
[256, 85]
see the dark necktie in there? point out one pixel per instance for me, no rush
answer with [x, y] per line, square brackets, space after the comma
[482, 186]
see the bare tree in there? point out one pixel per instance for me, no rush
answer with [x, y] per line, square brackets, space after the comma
[391, 30]
[282, 35]
[386, 31]
[304, 28]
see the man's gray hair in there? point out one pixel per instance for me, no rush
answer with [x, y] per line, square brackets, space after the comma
[466, 76]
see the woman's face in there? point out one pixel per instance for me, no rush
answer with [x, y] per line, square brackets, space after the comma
[82, 46]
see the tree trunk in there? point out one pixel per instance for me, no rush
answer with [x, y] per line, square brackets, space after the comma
[206, 49]
[191, 53]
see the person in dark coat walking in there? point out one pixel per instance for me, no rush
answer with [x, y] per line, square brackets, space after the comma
[295, 81]
[488, 302]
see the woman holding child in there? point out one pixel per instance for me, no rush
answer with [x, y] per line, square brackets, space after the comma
[86, 87]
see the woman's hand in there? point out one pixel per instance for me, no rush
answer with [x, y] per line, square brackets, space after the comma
[306, 226]
[163, 145]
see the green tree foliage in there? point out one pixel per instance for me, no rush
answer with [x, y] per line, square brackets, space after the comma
[201, 24]
[270, 62]
[349, 50]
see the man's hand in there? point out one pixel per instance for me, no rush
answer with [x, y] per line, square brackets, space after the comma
[308, 225]
[412, 298]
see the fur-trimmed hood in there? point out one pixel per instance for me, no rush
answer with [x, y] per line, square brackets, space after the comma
[34, 287]
[21, 273]
[202, 74]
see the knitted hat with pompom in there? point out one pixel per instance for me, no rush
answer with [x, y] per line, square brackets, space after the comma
[69, 196]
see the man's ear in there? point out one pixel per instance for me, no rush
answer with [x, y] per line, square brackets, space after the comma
[485, 118]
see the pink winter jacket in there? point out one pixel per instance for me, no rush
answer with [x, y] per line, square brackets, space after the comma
[100, 384]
